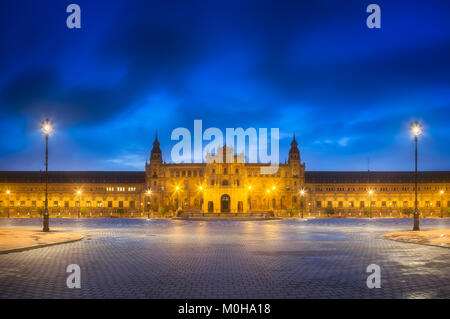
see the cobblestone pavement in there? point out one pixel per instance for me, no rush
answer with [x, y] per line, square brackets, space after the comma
[321, 258]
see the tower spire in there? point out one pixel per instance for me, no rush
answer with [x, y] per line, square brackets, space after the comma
[155, 154]
[294, 153]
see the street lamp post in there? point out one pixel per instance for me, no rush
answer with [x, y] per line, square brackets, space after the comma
[302, 196]
[416, 130]
[149, 193]
[8, 192]
[442, 204]
[177, 188]
[79, 201]
[200, 188]
[249, 199]
[46, 128]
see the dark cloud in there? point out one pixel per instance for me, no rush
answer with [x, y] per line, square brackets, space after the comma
[306, 66]
[29, 88]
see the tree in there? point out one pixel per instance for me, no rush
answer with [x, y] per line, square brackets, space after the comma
[329, 211]
[366, 212]
[40, 211]
[407, 211]
[83, 211]
[292, 212]
[162, 211]
[121, 211]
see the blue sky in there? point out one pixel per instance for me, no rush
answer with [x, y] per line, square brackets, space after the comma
[309, 67]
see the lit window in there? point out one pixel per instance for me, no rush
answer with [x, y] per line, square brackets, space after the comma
[88, 204]
[99, 204]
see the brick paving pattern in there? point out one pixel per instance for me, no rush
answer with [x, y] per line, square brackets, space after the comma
[321, 258]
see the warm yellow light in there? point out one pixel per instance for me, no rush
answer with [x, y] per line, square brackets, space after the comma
[249, 187]
[47, 127]
[442, 191]
[8, 191]
[370, 192]
[79, 192]
[416, 128]
[200, 187]
[302, 192]
[268, 190]
[177, 187]
[149, 192]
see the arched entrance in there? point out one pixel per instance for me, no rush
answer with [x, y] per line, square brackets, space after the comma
[225, 203]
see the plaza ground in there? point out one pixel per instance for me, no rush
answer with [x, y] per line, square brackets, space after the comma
[11, 239]
[316, 258]
[440, 237]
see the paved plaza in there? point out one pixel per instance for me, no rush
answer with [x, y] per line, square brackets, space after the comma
[317, 258]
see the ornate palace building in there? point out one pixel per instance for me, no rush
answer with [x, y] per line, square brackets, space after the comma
[221, 187]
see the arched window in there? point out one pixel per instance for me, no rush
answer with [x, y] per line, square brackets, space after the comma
[225, 182]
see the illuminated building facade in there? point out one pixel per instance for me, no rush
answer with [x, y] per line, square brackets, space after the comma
[223, 187]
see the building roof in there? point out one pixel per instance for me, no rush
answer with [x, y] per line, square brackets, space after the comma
[73, 177]
[375, 177]
[138, 177]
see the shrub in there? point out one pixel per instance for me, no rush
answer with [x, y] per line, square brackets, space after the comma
[366, 212]
[329, 211]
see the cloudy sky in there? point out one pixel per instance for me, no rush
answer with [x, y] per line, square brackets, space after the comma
[309, 67]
